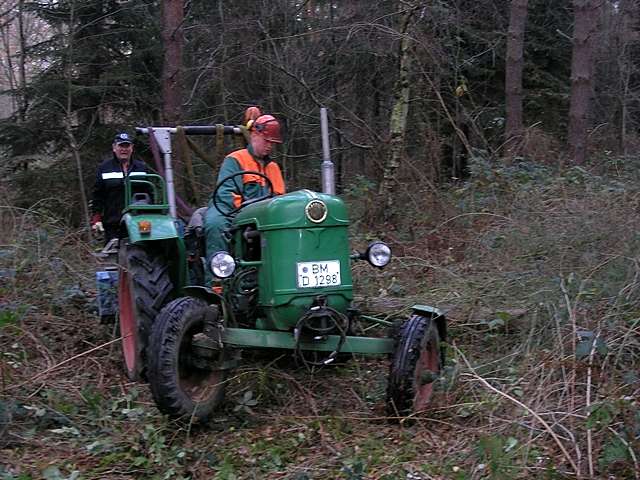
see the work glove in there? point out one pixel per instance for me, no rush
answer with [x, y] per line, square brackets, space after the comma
[96, 224]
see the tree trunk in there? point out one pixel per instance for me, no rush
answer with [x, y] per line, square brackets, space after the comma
[398, 121]
[5, 35]
[630, 15]
[586, 15]
[22, 60]
[221, 77]
[173, 41]
[69, 113]
[513, 77]
[337, 158]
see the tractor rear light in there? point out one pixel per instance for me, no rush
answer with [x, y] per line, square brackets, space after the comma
[223, 265]
[378, 254]
[144, 227]
[316, 211]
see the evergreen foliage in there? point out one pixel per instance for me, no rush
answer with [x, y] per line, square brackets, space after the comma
[99, 70]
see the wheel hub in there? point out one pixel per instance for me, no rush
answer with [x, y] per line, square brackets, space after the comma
[426, 369]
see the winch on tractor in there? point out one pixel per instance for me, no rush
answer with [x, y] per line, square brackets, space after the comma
[284, 283]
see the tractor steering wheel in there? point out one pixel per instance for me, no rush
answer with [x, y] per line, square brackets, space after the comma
[248, 202]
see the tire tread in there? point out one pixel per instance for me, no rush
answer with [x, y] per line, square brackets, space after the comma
[151, 288]
[163, 349]
[400, 390]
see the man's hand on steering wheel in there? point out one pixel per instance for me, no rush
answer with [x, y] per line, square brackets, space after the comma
[245, 203]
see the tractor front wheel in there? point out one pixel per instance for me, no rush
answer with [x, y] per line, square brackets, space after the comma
[187, 374]
[415, 365]
[143, 288]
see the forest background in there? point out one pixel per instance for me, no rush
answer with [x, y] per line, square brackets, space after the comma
[494, 144]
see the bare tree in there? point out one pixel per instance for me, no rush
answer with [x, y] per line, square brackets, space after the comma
[513, 77]
[22, 73]
[629, 40]
[69, 120]
[586, 15]
[398, 121]
[8, 79]
[18, 30]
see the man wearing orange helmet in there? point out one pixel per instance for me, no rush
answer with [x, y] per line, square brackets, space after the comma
[264, 132]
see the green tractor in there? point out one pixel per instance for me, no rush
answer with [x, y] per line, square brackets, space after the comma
[285, 283]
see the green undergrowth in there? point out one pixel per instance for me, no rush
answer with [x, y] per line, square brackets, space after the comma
[535, 267]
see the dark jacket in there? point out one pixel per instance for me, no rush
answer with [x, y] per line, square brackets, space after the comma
[108, 191]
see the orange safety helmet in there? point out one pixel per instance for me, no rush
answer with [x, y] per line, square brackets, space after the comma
[268, 127]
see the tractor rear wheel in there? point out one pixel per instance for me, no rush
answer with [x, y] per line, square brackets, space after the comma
[415, 365]
[186, 379]
[143, 288]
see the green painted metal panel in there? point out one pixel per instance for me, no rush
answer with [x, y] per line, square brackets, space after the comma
[178, 261]
[162, 227]
[288, 211]
[281, 299]
[284, 249]
[165, 234]
[288, 238]
[244, 337]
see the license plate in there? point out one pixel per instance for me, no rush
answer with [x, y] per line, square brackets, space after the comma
[318, 274]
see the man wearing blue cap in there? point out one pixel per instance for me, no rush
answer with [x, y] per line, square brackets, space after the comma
[108, 192]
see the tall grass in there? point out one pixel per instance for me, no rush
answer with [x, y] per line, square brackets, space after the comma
[536, 267]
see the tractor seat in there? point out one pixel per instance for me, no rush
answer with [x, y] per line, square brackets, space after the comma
[197, 219]
[141, 198]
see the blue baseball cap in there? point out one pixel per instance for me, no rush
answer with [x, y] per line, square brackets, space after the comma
[122, 137]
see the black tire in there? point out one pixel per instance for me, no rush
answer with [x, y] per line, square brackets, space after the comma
[415, 365]
[144, 287]
[180, 387]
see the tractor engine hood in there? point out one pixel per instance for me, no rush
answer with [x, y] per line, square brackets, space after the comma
[299, 209]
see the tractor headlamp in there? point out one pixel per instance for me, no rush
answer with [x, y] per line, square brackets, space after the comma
[316, 211]
[223, 265]
[378, 254]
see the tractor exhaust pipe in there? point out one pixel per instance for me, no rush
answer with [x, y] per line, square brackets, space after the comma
[328, 173]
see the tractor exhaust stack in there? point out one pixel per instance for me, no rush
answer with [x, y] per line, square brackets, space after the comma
[328, 174]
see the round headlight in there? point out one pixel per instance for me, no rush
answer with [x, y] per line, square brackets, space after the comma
[316, 211]
[378, 254]
[222, 265]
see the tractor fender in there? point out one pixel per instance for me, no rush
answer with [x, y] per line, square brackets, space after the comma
[163, 227]
[212, 298]
[203, 293]
[437, 315]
